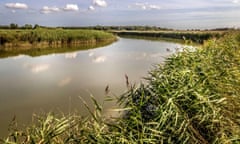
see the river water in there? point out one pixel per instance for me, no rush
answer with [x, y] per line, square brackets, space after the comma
[54, 82]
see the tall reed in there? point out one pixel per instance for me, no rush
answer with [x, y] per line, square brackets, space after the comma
[193, 98]
[52, 36]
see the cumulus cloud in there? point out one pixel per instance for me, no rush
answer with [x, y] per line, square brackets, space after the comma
[91, 8]
[145, 6]
[71, 7]
[16, 5]
[154, 7]
[47, 10]
[141, 5]
[68, 7]
[236, 1]
[100, 3]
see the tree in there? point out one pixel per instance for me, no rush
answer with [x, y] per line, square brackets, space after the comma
[27, 26]
[36, 26]
[13, 26]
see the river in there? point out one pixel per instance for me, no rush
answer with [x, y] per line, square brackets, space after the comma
[54, 82]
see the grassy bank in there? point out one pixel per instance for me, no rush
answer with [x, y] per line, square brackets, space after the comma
[194, 36]
[193, 98]
[45, 37]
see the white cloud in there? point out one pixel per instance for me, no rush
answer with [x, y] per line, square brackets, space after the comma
[47, 10]
[16, 5]
[154, 7]
[145, 6]
[236, 1]
[99, 59]
[71, 7]
[91, 8]
[64, 81]
[100, 3]
[141, 5]
[68, 7]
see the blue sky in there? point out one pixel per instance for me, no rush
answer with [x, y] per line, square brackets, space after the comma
[184, 14]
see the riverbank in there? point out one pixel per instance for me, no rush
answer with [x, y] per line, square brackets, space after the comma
[54, 37]
[193, 36]
[193, 98]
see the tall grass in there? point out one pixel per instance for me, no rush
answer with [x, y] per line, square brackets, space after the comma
[52, 36]
[193, 98]
[194, 36]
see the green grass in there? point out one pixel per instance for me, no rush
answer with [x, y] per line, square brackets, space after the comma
[193, 98]
[52, 36]
[194, 36]
[40, 41]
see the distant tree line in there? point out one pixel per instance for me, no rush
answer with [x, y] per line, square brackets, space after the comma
[107, 28]
[129, 28]
[16, 26]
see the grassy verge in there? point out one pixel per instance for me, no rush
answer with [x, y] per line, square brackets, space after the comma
[193, 98]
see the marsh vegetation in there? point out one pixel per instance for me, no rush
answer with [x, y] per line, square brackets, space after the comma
[51, 37]
[193, 98]
[191, 36]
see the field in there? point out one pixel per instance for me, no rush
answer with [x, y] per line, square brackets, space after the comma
[193, 98]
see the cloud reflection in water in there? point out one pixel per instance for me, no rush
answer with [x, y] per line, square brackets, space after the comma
[18, 57]
[64, 81]
[37, 68]
[99, 59]
[71, 55]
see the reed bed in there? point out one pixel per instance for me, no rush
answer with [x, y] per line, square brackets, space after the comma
[193, 98]
[11, 38]
[194, 36]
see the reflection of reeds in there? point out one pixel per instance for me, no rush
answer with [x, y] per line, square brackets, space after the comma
[127, 81]
[107, 90]
[193, 98]
[49, 50]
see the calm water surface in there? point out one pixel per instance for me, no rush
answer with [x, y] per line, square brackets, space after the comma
[55, 82]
